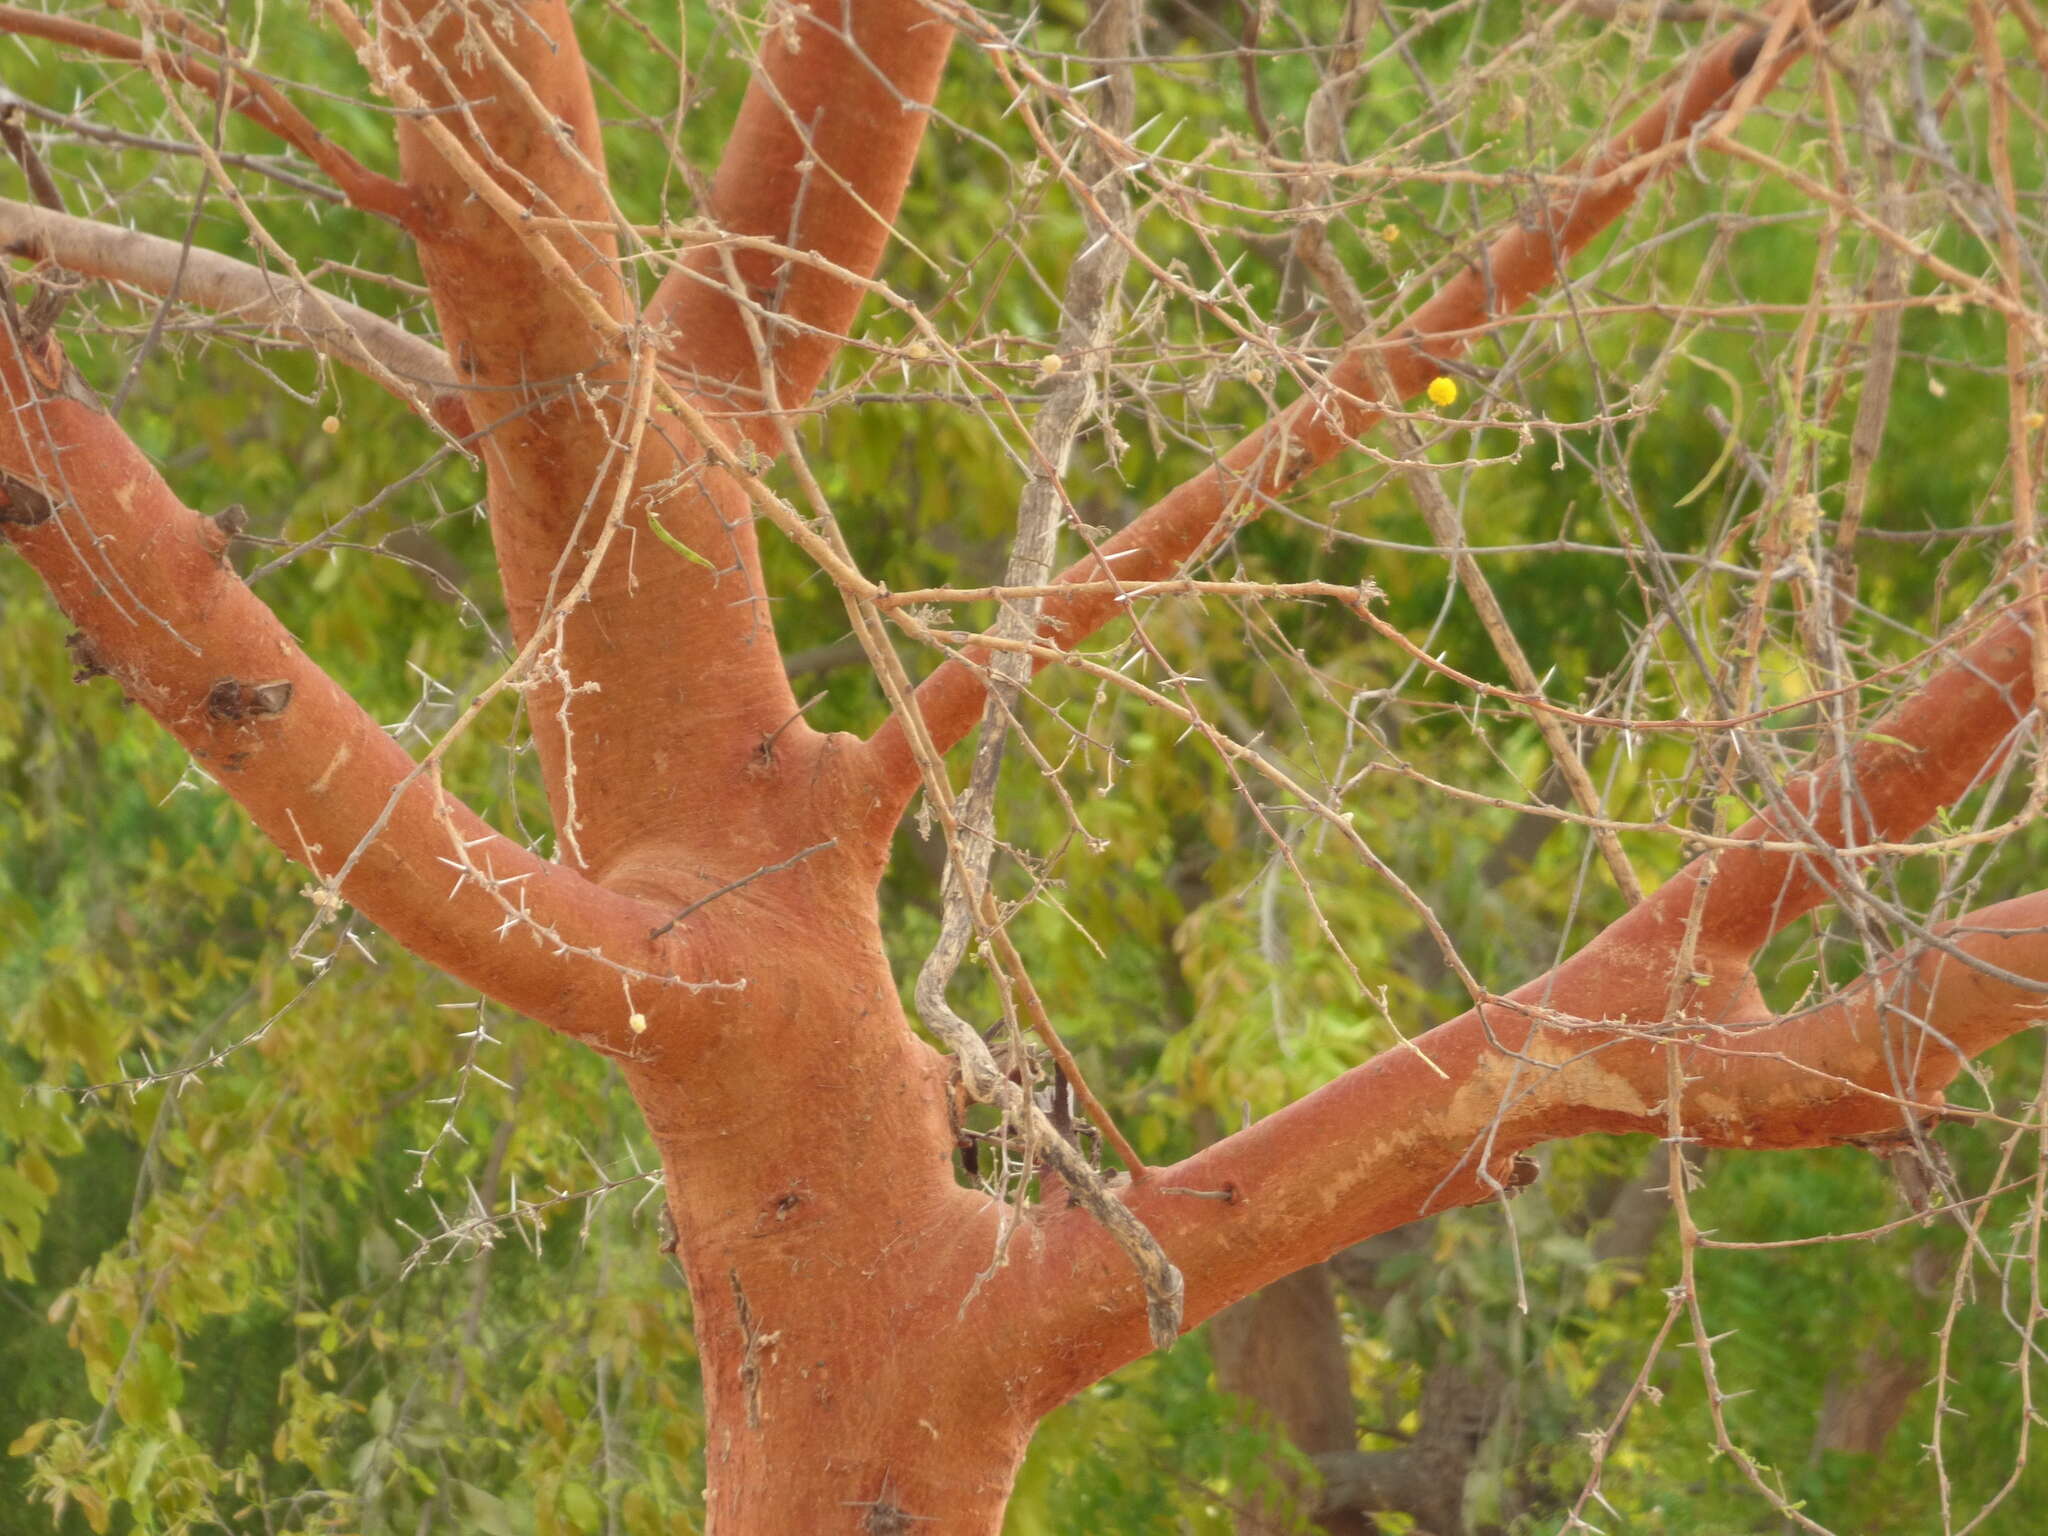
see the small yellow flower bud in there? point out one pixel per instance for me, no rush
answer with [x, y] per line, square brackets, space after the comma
[1049, 364]
[637, 1023]
[331, 425]
[1391, 234]
[1443, 392]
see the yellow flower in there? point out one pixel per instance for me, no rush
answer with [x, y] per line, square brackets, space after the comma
[1443, 392]
[1391, 234]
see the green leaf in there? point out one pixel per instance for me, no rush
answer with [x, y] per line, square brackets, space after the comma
[25, 1443]
[581, 1507]
[674, 543]
[138, 1475]
[487, 1511]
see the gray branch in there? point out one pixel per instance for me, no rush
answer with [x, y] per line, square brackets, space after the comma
[409, 366]
[1090, 315]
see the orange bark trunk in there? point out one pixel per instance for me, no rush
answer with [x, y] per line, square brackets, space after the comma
[877, 1345]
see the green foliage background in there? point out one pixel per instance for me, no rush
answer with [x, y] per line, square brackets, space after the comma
[254, 1297]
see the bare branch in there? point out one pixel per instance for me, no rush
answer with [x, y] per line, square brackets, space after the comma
[410, 366]
[818, 160]
[251, 95]
[1441, 1121]
[1526, 257]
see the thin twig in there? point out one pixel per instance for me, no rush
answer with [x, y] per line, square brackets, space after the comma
[744, 880]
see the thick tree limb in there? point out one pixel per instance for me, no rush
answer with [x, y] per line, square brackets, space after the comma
[1593, 1045]
[1390, 1141]
[666, 676]
[1378, 1480]
[160, 609]
[517, 99]
[1924, 753]
[256, 99]
[1426, 1477]
[818, 160]
[684, 729]
[411, 367]
[1524, 259]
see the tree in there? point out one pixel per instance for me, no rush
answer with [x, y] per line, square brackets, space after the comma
[878, 1333]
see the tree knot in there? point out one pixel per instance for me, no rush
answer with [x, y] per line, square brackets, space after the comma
[234, 700]
[85, 657]
[22, 504]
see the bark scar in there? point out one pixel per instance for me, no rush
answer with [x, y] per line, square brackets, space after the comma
[86, 657]
[233, 700]
[22, 504]
[757, 1343]
[885, 1517]
[321, 785]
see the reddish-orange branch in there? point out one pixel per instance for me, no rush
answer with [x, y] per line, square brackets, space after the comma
[1922, 754]
[255, 99]
[159, 608]
[666, 717]
[527, 121]
[667, 678]
[1438, 1123]
[1523, 260]
[1392, 1141]
[818, 161]
[509, 112]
